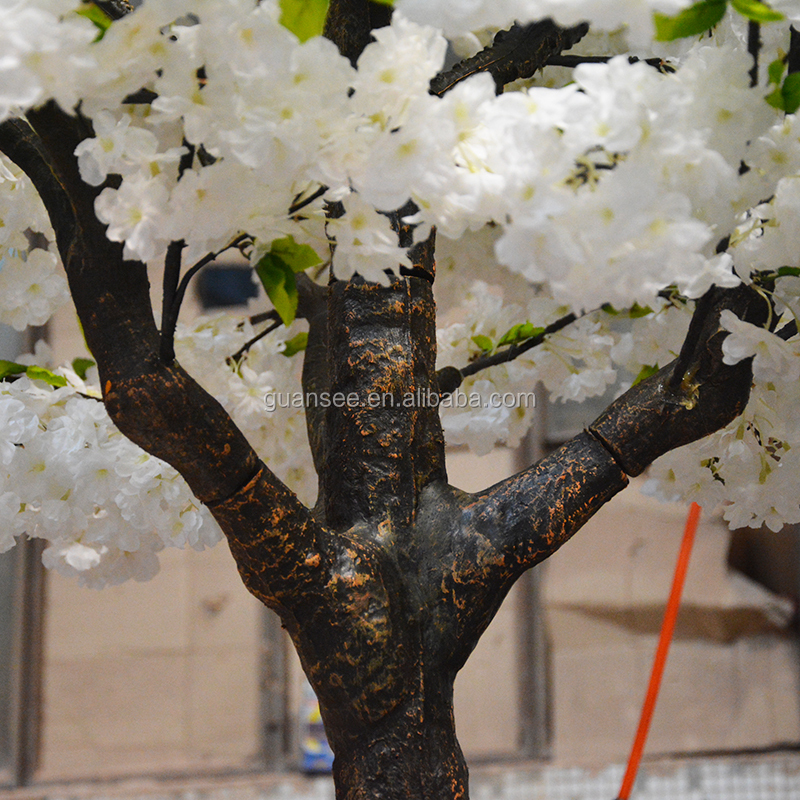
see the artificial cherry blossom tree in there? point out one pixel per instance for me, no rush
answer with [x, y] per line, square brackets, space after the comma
[632, 167]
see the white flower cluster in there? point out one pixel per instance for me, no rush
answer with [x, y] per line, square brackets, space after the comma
[609, 188]
[31, 284]
[580, 361]
[105, 506]
[751, 466]
[69, 476]
[259, 391]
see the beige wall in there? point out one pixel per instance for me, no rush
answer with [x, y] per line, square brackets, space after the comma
[155, 676]
[732, 679]
[487, 688]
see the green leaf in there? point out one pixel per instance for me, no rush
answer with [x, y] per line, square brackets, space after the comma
[775, 70]
[8, 368]
[97, 17]
[484, 342]
[276, 270]
[786, 97]
[519, 333]
[81, 365]
[691, 21]
[46, 375]
[756, 11]
[645, 372]
[296, 344]
[298, 256]
[791, 93]
[636, 311]
[511, 335]
[784, 271]
[304, 18]
[280, 285]
[775, 99]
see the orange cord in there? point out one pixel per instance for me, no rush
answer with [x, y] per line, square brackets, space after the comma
[667, 629]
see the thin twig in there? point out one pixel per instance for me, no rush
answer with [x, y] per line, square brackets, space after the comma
[172, 274]
[169, 318]
[754, 48]
[231, 360]
[515, 53]
[257, 319]
[299, 205]
[503, 357]
[573, 61]
[449, 381]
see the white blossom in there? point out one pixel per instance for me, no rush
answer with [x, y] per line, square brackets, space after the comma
[773, 358]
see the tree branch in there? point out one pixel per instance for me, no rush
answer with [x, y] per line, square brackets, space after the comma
[450, 378]
[299, 204]
[484, 362]
[245, 348]
[573, 61]
[172, 274]
[516, 53]
[529, 516]
[690, 398]
[155, 404]
[116, 9]
[177, 291]
[349, 25]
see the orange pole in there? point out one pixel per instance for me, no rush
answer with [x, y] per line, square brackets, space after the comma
[667, 629]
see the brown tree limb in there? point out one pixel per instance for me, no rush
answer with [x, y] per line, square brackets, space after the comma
[527, 517]
[690, 398]
[172, 274]
[349, 25]
[116, 9]
[514, 54]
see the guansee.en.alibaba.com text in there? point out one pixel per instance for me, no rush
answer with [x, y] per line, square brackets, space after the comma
[421, 398]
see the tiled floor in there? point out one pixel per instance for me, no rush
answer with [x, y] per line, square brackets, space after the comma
[768, 777]
[774, 776]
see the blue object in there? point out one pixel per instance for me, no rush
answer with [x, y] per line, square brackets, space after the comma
[220, 286]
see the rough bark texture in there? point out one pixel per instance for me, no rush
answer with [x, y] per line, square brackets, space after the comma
[514, 54]
[387, 585]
